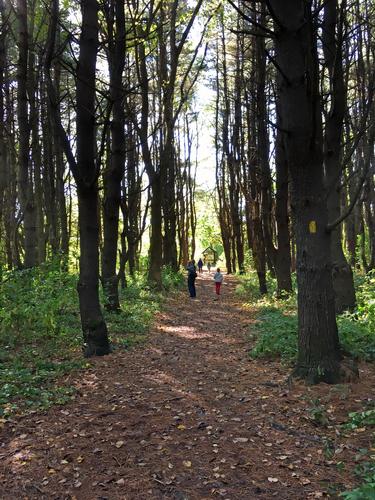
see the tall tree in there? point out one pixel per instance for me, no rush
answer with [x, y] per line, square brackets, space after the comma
[319, 356]
[85, 168]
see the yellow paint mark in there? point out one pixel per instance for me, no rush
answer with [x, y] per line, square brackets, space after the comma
[312, 226]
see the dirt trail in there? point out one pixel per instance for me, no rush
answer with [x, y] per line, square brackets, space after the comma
[187, 416]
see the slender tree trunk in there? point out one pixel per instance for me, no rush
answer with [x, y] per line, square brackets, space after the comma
[93, 324]
[114, 173]
[342, 275]
[283, 254]
[26, 188]
[156, 242]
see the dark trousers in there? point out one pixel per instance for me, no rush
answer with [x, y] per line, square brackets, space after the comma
[191, 286]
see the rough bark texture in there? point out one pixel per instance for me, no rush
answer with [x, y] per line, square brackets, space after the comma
[342, 275]
[26, 189]
[283, 254]
[318, 345]
[114, 173]
[93, 324]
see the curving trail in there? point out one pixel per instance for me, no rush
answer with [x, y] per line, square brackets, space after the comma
[187, 416]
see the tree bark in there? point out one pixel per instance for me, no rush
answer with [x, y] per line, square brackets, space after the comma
[25, 182]
[342, 275]
[319, 357]
[116, 166]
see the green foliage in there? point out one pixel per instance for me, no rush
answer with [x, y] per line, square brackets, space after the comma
[276, 334]
[365, 492]
[358, 328]
[359, 419]
[40, 332]
[365, 469]
[318, 414]
[171, 279]
[208, 228]
[276, 327]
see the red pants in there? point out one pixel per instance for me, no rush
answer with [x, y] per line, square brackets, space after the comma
[218, 285]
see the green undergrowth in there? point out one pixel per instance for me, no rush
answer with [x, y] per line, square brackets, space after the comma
[275, 333]
[40, 333]
[365, 469]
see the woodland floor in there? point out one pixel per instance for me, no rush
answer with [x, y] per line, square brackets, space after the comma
[187, 416]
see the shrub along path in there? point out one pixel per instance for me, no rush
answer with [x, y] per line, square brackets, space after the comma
[188, 416]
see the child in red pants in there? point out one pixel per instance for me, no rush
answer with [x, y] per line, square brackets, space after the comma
[218, 278]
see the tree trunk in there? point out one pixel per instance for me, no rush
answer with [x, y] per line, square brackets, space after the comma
[156, 242]
[319, 354]
[26, 189]
[342, 275]
[283, 254]
[116, 166]
[93, 324]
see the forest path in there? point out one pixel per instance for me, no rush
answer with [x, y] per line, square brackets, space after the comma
[187, 416]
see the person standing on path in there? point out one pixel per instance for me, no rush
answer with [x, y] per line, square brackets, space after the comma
[209, 266]
[192, 274]
[200, 266]
[218, 278]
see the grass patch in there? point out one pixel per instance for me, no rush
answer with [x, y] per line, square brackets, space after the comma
[41, 338]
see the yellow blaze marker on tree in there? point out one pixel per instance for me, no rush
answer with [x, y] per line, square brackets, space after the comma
[312, 226]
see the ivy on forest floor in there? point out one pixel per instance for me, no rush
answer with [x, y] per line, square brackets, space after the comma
[363, 421]
[40, 333]
[275, 333]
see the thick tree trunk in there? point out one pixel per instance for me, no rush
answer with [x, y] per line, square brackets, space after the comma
[319, 354]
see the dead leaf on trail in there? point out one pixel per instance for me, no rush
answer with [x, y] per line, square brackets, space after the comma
[273, 479]
[241, 440]
[187, 463]
[119, 444]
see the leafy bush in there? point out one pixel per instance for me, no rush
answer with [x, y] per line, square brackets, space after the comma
[172, 279]
[276, 335]
[276, 329]
[40, 331]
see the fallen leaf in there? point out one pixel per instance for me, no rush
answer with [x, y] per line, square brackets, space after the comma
[119, 444]
[187, 463]
[272, 479]
[240, 440]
